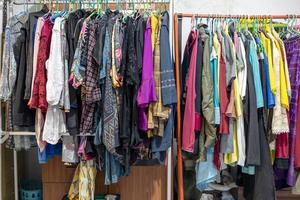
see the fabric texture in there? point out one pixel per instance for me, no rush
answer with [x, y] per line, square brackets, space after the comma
[146, 93]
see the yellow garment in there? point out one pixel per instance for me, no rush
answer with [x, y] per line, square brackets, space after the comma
[284, 75]
[268, 48]
[154, 25]
[232, 158]
[279, 120]
[83, 183]
[237, 99]
[116, 83]
[157, 114]
[286, 70]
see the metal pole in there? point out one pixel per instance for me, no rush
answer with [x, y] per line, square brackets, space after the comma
[16, 184]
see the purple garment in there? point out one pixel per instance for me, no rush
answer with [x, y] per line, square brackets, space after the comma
[280, 178]
[292, 47]
[146, 93]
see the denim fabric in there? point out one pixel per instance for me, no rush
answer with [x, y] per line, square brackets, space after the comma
[168, 86]
[160, 145]
[113, 169]
[210, 175]
[105, 55]
[50, 152]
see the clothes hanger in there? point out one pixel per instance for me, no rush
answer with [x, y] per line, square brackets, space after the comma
[158, 8]
[242, 22]
[49, 11]
[219, 21]
[239, 23]
[164, 6]
[118, 5]
[141, 12]
[294, 21]
[146, 9]
[192, 23]
[99, 8]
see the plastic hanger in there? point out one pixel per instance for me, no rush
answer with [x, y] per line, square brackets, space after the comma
[147, 12]
[294, 21]
[193, 23]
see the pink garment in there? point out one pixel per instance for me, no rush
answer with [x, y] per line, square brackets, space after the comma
[39, 124]
[282, 146]
[198, 122]
[38, 31]
[188, 134]
[39, 117]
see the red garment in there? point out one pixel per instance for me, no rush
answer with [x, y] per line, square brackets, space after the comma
[198, 122]
[39, 87]
[188, 132]
[217, 161]
[297, 140]
[224, 122]
[282, 146]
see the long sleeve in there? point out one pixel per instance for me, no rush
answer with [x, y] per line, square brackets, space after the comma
[188, 133]
[168, 86]
[146, 93]
[55, 67]
[257, 81]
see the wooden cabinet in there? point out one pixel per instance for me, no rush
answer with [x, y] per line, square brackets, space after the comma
[144, 182]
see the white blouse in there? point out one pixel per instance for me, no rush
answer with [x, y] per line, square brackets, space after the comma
[55, 66]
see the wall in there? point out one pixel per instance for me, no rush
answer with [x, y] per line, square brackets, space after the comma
[260, 7]
[242, 7]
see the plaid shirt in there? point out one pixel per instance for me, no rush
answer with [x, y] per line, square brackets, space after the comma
[92, 89]
[157, 113]
[92, 70]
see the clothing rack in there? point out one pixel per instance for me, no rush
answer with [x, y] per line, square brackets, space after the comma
[190, 15]
[91, 2]
[112, 4]
[127, 5]
[177, 73]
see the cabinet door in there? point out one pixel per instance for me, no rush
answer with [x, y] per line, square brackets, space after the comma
[144, 182]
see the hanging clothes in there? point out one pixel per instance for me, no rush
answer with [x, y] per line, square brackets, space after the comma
[146, 93]
[291, 46]
[245, 97]
[85, 74]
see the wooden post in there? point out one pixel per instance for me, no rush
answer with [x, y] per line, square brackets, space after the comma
[179, 152]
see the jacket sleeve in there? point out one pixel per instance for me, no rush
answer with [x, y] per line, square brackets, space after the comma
[167, 69]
